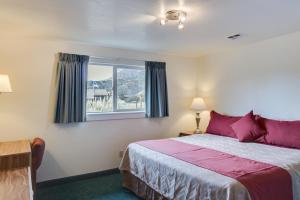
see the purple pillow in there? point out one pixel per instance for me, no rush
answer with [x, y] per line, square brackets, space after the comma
[282, 133]
[247, 128]
[221, 124]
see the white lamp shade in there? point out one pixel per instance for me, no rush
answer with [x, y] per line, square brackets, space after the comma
[198, 104]
[4, 83]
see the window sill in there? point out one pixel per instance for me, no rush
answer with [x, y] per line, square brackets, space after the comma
[115, 116]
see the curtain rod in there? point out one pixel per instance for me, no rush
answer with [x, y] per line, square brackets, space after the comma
[116, 58]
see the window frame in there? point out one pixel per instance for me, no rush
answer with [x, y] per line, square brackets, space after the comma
[116, 113]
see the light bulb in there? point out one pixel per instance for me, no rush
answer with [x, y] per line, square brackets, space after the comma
[163, 22]
[182, 18]
[180, 26]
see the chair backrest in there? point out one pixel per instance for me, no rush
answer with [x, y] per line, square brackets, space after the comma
[37, 150]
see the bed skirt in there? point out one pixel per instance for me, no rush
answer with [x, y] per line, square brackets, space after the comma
[140, 188]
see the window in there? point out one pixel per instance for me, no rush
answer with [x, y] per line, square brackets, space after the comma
[115, 88]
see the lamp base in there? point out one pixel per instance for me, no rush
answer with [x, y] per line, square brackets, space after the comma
[197, 131]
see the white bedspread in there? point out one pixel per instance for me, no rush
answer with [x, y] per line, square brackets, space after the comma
[176, 179]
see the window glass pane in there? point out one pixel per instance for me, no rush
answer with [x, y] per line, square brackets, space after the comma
[130, 88]
[99, 88]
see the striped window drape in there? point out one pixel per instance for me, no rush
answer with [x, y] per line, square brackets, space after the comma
[156, 94]
[71, 88]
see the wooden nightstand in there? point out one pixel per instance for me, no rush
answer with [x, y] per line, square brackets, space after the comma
[185, 133]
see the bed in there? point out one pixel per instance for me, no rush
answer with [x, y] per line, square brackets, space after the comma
[154, 175]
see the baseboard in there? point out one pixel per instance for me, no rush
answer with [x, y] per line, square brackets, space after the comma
[76, 178]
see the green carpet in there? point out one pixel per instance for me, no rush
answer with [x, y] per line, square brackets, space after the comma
[106, 187]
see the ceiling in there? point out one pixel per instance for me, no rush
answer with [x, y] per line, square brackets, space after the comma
[134, 24]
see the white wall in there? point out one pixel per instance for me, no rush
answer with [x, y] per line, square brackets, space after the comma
[86, 147]
[264, 76]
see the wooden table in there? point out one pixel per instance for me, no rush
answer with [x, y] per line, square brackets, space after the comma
[15, 154]
[15, 173]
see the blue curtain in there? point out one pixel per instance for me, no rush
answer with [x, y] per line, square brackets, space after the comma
[156, 95]
[71, 88]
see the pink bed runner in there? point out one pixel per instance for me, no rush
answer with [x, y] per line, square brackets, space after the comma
[263, 181]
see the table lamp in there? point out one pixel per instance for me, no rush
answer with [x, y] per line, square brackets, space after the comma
[4, 84]
[198, 104]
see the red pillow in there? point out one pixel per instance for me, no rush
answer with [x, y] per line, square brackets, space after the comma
[282, 133]
[260, 121]
[247, 129]
[221, 124]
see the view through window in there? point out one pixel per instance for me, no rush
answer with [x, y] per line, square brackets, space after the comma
[115, 88]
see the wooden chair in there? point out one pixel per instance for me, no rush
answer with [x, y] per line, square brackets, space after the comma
[37, 152]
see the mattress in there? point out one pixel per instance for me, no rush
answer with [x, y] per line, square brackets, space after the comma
[177, 179]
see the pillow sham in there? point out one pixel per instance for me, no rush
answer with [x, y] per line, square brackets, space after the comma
[282, 133]
[247, 128]
[221, 124]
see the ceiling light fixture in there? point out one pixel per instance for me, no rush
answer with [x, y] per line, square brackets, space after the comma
[174, 15]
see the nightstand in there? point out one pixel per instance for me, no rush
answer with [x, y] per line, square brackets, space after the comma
[185, 133]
